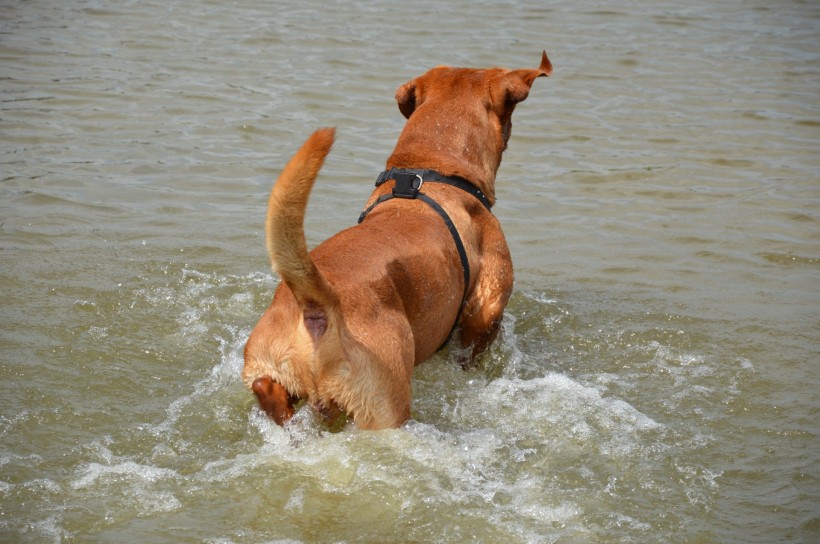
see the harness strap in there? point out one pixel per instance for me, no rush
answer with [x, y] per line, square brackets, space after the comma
[408, 183]
[432, 175]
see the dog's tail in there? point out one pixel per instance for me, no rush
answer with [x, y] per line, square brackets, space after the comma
[285, 232]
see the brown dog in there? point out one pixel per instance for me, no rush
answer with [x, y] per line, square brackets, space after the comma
[353, 317]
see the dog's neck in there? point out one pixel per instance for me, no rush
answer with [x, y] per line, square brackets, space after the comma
[453, 147]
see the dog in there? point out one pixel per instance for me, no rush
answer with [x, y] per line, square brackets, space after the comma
[352, 318]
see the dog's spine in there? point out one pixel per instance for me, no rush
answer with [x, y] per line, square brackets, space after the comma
[284, 226]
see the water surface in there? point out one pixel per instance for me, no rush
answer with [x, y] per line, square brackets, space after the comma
[656, 377]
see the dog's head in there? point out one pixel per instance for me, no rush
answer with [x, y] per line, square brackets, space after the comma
[501, 89]
[461, 118]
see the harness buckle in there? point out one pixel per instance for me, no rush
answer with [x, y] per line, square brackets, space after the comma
[407, 185]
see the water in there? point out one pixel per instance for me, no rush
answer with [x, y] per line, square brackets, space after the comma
[656, 378]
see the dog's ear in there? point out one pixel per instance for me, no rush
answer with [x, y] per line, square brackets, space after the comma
[516, 84]
[406, 97]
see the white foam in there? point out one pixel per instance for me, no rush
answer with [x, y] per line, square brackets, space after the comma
[141, 485]
[480, 450]
[49, 528]
[669, 355]
[226, 373]
[296, 501]
[95, 473]
[6, 458]
[554, 399]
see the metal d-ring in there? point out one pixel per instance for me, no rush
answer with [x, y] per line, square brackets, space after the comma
[421, 181]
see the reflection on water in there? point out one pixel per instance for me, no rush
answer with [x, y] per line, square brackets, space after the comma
[654, 379]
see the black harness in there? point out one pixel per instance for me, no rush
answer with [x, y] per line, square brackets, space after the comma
[408, 183]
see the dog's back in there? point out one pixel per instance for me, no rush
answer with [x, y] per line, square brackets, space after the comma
[353, 317]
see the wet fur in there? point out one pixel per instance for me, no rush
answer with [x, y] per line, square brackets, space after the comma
[352, 318]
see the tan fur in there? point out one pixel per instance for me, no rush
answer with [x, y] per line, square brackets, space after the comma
[353, 317]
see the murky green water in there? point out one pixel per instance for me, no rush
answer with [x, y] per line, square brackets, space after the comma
[656, 379]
